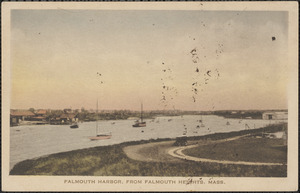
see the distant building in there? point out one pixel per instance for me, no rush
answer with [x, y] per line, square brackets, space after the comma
[68, 118]
[41, 115]
[282, 115]
[17, 116]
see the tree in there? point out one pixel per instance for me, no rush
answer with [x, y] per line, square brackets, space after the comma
[31, 110]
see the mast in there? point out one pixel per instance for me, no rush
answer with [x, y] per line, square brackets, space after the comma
[97, 118]
[141, 112]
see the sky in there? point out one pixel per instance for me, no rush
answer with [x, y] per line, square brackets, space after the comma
[165, 59]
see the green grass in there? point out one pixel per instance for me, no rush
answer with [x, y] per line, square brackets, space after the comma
[245, 149]
[112, 161]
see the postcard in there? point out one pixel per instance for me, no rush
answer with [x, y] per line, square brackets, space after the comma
[149, 96]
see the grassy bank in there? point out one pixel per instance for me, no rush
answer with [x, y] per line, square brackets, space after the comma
[112, 161]
[249, 149]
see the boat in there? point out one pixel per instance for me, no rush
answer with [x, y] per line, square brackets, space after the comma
[247, 126]
[184, 132]
[201, 121]
[100, 136]
[74, 126]
[140, 123]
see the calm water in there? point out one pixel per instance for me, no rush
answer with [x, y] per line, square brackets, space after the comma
[37, 140]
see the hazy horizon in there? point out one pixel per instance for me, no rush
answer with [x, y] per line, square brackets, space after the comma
[188, 60]
[156, 109]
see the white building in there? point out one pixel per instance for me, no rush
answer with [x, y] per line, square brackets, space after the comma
[282, 115]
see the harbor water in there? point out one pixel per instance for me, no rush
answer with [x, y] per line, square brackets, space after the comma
[32, 141]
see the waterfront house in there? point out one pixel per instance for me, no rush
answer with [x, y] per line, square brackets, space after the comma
[272, 115]
[40, 115]
[67, 118]
[55, 121]
[18, 116]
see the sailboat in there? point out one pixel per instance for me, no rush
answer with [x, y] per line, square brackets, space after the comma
[100, 136]
[201, 121]
[140, 123]
[228, 123]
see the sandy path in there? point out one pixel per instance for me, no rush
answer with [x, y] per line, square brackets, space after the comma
[159, 151]
[152, 152]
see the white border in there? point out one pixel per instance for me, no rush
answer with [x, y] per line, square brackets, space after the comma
[56, 183]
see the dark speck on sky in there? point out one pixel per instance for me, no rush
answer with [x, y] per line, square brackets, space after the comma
[169, 91]
[207, 73]
[100, 77]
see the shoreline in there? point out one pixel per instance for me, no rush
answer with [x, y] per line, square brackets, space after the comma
[21, 167]
[225, 116]
[163, 127]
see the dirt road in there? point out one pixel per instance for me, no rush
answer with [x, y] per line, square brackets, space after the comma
[152, 152]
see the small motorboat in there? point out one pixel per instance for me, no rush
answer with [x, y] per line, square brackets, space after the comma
[74, 126]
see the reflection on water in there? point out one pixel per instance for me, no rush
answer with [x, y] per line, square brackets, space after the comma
[32, 141]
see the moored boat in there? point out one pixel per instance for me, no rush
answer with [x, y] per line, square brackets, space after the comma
[74, 126]
[100, 136]
[140, 123]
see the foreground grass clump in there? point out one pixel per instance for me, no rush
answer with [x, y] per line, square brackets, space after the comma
[112, 161]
